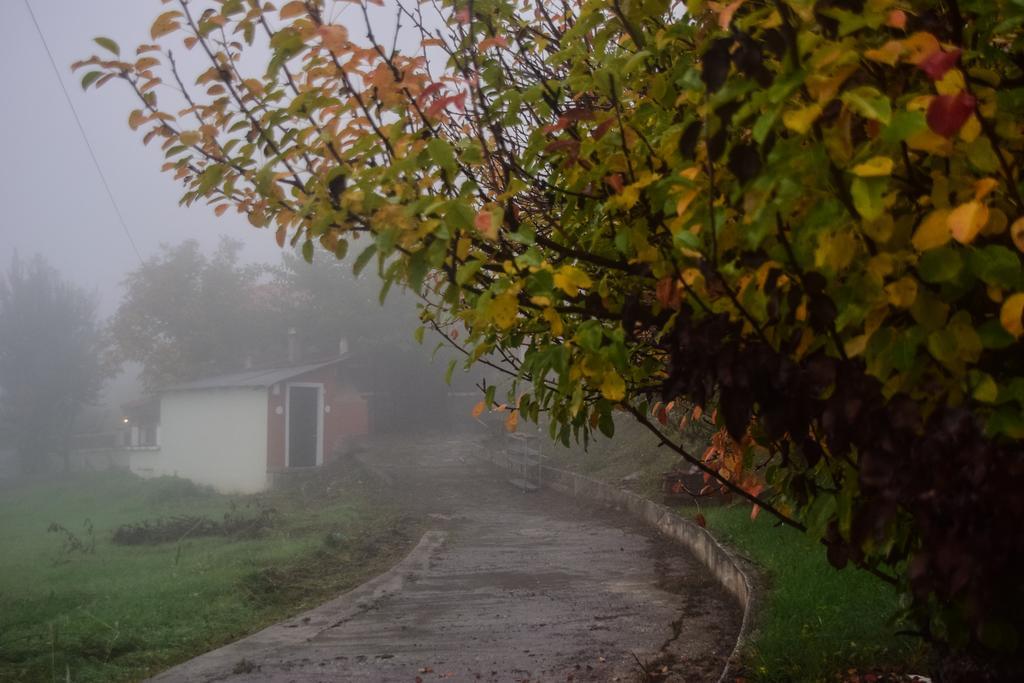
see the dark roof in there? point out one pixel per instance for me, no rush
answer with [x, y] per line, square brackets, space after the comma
[256, 379]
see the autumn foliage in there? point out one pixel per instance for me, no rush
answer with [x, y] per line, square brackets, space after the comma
[805, 216]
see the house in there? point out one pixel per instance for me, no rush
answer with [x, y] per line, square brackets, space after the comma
[238, 432]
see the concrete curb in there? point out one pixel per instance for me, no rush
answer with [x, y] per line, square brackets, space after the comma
[724, 565]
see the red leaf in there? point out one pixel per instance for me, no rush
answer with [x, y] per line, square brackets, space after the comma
[938, 63]
[667, 293]
[602, 128]
[430, 90]
[897, 19]
[699, 519]
[948, 113]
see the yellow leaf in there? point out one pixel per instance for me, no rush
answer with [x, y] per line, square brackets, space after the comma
[254, 86]
[136, 119]
[902, 292]
[630, 194]
[967, 220]
[855, 346]
[554, 320]
[1012, 313]
[479, 408]
[920, 45]
[1017, 233]
[801, 120]
[512, 421]
[887, 54]
[835, 251]
[613, 387]
[570, 280]
[189, 138]
[933, 231]
[293, 9]
[504, 309]
[951, 83]
[874, 168]
[985, 390]
[685, 200]
[335, 38]
[164, 24]
[970, 130]
[823, 89]
[931, 142]
[984, 187]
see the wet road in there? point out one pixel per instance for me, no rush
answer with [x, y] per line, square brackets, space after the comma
[507, 586]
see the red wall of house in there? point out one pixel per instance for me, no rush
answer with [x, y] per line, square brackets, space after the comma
[348, 416]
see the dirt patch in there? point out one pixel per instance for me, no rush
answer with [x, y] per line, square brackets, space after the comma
[175, 529]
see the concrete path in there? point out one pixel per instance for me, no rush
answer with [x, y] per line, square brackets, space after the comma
[507, 586]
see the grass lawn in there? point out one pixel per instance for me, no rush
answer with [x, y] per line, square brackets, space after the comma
[120, 613]
[815, 623]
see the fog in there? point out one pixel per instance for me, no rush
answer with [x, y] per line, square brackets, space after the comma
[203, 435]
[53, 198]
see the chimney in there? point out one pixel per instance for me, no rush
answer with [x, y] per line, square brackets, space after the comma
[293, 345]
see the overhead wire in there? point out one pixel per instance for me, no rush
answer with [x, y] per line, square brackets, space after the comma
[85, 137]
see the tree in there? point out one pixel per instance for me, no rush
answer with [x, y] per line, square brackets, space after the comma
[325, 303]
[185, 313]
[52, 360]
[802, 217]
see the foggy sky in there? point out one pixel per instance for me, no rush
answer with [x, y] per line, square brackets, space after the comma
[51, 198]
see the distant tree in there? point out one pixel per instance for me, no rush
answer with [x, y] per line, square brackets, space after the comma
[52, 360]
[185, 313]
[325, 302]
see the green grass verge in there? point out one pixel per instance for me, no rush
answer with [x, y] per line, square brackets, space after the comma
[815, 623]
[121, 613]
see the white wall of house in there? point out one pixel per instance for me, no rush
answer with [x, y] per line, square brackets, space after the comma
[216, 437]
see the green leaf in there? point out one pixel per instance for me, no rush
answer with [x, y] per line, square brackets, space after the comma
[417, 271]
[940, 265]
[868, 195]
[995, 265]
[90, 78]
[869, 103]
[904, 124]
[108, 44]
[605, 422]
[441, 153]
[307, 251]
[982, 387]
[210, 178]
[994, 335]
[982, 156]
[459, 216]
[363, 259]
[589, 335]
[341, 250]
